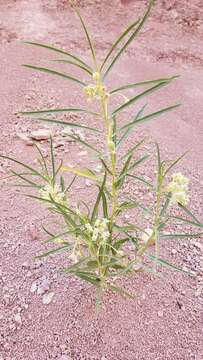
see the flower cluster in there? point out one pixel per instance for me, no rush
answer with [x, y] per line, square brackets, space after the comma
[178, 187]
[99, 231]
[97, 90]
[54, 192]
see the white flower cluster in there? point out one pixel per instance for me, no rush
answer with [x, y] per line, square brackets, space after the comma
[178, 187]
[99, 231]
[52, 191]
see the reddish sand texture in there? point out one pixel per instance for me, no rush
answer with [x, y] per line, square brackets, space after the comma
[164, 322]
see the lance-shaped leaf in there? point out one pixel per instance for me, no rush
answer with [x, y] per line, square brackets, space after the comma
[123, 171]
[168, 264]
[142, 83]
[55, 238]
[85, 143]
[118, 41]
[61, 51]
[65, 123]
[81, 67]
[32, 183]
[127, 43]
[88, 37]
[141, 179]
[127, 170]
[98, 199]
[87, 173]
[150, 116]
[54, 251]
[121, 291]
[181, 236]
[89, 277]
[189, 222]
[139, 96]
[132, 150]
[175, 162]
[54, 72]
[130, 128]
[188, 212]
[34, 171]
[60, 110]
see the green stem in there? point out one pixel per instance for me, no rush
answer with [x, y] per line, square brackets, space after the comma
[112, 155]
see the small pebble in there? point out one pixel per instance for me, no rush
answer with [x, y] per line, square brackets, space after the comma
[160, 313]
[33, 287]
[173, 251]
[47, 298]
[17, 319]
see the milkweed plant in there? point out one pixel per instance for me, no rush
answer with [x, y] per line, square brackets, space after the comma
[101, 246]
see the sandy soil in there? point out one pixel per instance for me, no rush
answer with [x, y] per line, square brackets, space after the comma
[165, 320]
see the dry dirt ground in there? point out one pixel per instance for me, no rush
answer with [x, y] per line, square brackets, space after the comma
[164, 322]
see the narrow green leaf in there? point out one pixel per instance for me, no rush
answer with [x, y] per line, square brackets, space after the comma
[54, 72]
[99, 197]
[131, 151]
[123, 48]
[71, 183]
[175, 162]
[105, 166]
[24, 165]
[64, 123]
[139, 96]
[142, 83]
[189, 222]
[158, 158]
[33, 184]
[82, 67]
[168, 264]
[53, 238]
[120, 38]
[140, 205]
[188, 212]
[54, 251]
[181, 236]
[140, 179]
[53, 162]
[165, 205]
[91, 278]
[48, 111]
[130, 128]
[43, 159]
[123, 171]
[62, 183]
[82, 172]
[85, 143]
[52, 48]
[135, 164]
[117, 245]
[105, 206]
[121, 291]
[150, 116]
[88, 38]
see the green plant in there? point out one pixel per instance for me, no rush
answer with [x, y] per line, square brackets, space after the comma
[96, 239]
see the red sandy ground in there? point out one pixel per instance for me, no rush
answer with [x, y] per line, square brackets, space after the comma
[164, 322]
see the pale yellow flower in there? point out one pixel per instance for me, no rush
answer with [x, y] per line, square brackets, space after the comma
[53, 191]
[178, 187]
